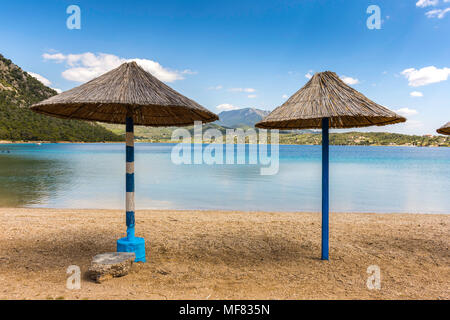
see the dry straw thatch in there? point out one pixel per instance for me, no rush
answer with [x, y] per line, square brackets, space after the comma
[327, 96]
[445, 129]
[127, 89]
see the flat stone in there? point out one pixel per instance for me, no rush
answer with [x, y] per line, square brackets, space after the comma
[110, 265]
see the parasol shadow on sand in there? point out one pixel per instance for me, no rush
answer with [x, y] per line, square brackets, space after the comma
[127, 95]
[327, 102]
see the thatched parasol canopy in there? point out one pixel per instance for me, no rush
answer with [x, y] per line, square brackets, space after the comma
[128, 88]
[327, 96]
[445, 129]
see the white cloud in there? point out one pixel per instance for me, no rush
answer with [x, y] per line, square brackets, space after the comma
[416, 94]
[219, 87]
[308, 75]
[252, 96]
[86, 66]
[406, 112]
[437, 13]
[349, 80]
[42, 79]
[284, 96]
[426, 3]
[189, 71]
[57, 57]
[425, 76]
[226, 107]
[248, 90]
[158, 71]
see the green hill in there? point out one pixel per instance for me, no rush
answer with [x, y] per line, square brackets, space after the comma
[18, 90]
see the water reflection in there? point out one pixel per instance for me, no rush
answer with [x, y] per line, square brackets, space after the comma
[27, 181]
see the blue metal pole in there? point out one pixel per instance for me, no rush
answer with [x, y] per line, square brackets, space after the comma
[131, 243]
[130, 178]
[325, 188]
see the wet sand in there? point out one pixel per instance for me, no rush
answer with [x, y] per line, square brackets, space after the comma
[227, 255]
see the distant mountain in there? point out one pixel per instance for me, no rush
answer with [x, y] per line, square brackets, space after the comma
[18, 90]
[241, 118]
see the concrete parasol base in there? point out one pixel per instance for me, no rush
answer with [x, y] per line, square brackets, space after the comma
[135, 244]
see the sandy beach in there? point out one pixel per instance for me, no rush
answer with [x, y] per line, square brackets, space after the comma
[227, 255]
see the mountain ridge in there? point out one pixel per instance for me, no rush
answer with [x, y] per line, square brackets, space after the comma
[241, 118]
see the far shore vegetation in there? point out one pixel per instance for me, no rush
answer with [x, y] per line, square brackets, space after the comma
[164, 135]
[345, 139]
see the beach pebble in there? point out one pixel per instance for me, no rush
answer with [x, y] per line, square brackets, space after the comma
[110, 265]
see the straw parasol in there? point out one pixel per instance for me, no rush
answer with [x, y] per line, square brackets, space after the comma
[327, 96]
[127, 95]
[445, 129]
[327, 102]
[111, 96]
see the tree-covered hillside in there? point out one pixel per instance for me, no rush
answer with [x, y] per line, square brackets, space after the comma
[368, 139]
[19, 90]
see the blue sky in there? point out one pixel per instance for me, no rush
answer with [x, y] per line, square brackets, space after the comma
[235, 54]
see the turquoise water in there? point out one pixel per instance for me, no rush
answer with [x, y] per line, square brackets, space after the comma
[362, 179]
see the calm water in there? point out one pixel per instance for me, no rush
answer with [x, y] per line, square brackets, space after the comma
[363, 179]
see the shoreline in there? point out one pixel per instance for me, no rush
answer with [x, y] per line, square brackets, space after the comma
[6, 142]
[227, 211]
[195, 254]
